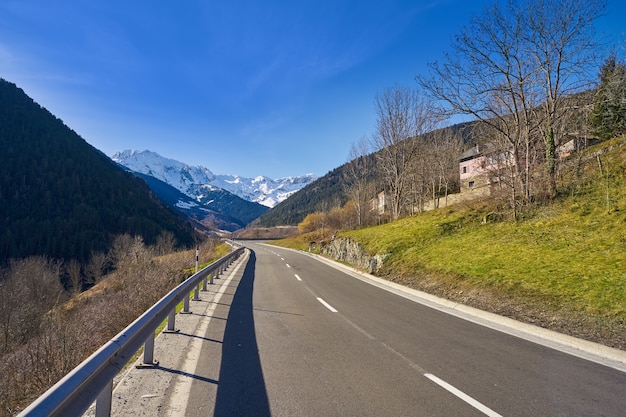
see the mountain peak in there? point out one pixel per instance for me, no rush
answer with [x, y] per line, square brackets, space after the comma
[191, 180]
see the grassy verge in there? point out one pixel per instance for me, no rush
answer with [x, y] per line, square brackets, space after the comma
[568, 256]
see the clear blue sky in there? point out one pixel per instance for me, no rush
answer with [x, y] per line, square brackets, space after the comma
[250, 87]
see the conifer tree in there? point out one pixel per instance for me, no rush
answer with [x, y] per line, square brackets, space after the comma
[608, 118]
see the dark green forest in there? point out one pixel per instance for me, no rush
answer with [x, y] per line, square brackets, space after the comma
[60, 197]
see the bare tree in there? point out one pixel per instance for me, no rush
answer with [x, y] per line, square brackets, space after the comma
[402, 116]
[35, 283]
[356, 178]
[417, 190]
[165, 243]
[443, 148]
[73, 270]
[128, 251]
[9, 303]
[561, 43]
[512, 67]
[98, 263]
[486, 76]
[120, 250]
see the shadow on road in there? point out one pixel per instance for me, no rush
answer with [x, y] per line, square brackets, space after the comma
[241, 388]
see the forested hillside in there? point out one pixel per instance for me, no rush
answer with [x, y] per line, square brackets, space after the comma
[322, 194]
[62, 198]
[331, 190]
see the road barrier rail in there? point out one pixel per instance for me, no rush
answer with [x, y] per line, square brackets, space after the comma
[92, 380]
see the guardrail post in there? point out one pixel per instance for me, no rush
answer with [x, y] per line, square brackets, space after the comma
[196, 293]
[204, 281]
[103, 402]
[171, 321]
[211, 275]
[186, 305]
[148, 353]
[148, 350]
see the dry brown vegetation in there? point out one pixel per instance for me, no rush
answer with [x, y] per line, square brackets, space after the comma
[46, 331]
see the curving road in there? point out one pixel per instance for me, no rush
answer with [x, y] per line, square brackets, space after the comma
[293, 336]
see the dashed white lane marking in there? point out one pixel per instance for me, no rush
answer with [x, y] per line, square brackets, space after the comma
[463, 396]
[325, 304]
[443, 384]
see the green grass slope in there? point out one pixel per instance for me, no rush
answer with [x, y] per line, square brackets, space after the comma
[564, 263]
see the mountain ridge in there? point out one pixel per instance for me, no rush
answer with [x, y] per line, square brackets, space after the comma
[63, 198]
[196, 181]
[207, 215]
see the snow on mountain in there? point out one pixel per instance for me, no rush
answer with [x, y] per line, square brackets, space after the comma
[195, 181]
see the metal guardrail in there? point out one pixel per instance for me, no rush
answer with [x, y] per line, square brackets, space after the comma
[92, 380]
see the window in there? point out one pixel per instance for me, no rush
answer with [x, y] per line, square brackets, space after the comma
[464, 170]
[471, 184]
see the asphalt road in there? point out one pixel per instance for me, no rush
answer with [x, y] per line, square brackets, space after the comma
[292, 336]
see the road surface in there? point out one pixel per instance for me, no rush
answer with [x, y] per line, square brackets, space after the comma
[293, 336]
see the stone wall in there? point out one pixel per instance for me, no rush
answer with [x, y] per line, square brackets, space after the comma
[451, 199]
[346, 250]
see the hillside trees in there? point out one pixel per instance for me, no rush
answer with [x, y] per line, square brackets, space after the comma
[560, 41]
[512, 69]
[608, 117]
[62, 198]
[359, 179]
[401, 116]
[29, 288]
[441, 149]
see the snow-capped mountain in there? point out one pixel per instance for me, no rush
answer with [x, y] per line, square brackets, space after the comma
[197, 181]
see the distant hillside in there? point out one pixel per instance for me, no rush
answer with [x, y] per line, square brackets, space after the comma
[324, 193]
[61, 197]
[328, 191]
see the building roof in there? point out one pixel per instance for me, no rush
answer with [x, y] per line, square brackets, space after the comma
[472, 153]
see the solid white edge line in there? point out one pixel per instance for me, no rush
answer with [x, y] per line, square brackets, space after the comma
[298, 278]
[325, 304]
[178, 401]
[591, 351]
[463, 396]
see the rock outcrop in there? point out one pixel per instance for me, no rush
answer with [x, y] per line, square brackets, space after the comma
[346, 250]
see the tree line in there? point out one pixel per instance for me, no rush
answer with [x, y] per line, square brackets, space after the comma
[524, 71]
[62, 198]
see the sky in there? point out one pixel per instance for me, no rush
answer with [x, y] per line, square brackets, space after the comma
[274, 88]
